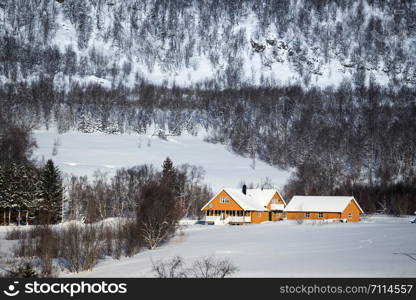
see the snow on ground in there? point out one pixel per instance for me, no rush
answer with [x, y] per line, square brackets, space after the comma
[378, 247]
[84, 153]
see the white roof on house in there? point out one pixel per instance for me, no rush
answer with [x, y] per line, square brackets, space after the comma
[264, 196]
[320, 203]
[255, 199]
[247, 202]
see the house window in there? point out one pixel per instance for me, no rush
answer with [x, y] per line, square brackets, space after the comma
[259, 214]
[274, 201]
[321, 215]
[307, 214]
[350, 216]
[224, 200]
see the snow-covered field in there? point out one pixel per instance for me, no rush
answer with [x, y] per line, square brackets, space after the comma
[377, 247]
[83, 153]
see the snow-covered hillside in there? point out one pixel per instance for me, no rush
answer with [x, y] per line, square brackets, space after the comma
[225, 43]
[377, 247]
[84, 153]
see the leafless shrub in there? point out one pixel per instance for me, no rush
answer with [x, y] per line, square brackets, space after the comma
[209, 267]
[81, 247]
[129, 238]
[39, 242]
[205, 267]
[15, 234]
[121, 239]
[173, 268]
[76, 247]
[107, 236]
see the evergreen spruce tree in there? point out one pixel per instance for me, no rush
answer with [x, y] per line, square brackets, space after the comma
[27, 271]
[169, 174]
[50, 206]
[170, 180]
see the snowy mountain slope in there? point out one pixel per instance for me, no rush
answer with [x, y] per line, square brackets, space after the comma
[84, 153]
[227, 43]
[375, 248]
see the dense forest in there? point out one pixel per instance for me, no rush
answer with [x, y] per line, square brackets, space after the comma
[214, 44]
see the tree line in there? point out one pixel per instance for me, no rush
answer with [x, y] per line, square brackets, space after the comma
[334, 137]
[128, 192]
[30, 194]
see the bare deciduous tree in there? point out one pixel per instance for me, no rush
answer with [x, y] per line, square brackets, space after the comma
[209, 267]
[205, 267]
[173, 268]
[158, 214]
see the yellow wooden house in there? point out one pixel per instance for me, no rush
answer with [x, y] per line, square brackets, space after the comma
[242, 206]
[336, 208]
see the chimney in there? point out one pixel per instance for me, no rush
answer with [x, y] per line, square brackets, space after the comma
[244, 189]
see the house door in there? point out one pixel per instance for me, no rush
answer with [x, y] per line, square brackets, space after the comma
[270, 216]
